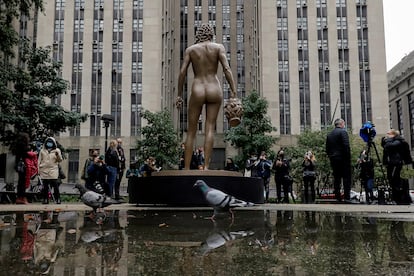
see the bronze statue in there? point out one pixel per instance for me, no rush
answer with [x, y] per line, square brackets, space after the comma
[204, 56]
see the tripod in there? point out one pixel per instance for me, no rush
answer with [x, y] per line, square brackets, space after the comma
[384, 181]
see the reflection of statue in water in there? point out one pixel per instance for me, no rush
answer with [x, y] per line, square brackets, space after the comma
[204, 56]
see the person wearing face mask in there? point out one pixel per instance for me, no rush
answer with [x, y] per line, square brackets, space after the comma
[49, 158]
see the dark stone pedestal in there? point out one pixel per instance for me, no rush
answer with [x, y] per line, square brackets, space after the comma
[175, 188]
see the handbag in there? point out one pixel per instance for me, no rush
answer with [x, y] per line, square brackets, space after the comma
[247, 173]
[406, 172]
[20, 166]
[288, 179]
[61, 173]
[309, 173]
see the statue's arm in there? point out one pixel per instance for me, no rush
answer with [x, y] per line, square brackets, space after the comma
[227, 71]
[181, 77]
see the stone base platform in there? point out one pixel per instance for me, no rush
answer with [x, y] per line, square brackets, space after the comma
[175, 187]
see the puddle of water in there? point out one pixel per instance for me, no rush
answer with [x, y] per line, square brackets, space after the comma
[188, 243]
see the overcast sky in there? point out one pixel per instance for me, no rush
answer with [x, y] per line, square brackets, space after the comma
[399, 33]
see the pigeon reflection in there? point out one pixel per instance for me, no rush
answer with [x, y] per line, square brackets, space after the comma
[105, 240]
[222, 237]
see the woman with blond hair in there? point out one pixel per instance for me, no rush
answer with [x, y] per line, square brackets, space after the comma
[396, 154]
[112, 165]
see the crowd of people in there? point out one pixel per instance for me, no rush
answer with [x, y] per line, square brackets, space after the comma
[103, 173]
[43, 163]
[396, 154]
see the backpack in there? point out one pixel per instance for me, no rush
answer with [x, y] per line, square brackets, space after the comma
[406, 152]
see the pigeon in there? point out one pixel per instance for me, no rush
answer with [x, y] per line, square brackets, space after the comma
[219, 200]
[93, 199]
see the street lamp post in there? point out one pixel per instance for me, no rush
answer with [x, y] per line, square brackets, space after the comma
[107, 119]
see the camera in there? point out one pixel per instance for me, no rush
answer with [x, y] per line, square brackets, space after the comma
[367, 131]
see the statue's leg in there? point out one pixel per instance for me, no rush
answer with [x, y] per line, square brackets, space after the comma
[212, 110]
[194, 110]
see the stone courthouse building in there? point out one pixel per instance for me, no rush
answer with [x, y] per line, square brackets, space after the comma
[401, 95]
[313, 60]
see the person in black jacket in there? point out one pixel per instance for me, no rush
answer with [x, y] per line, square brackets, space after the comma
[112, 163]
[283, 180]
[121, 169]
[365, 164]
[97, 172]
[309, 176]
[263, 169]
[339, 153]
[396, 154]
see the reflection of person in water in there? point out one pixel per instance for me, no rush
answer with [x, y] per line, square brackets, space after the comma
[268, 240]
[401, 249]
[284, 225]
[311, 231]
[106, 241]
[112, 251]
[370, 239]
[344, 260]
[21, 247]
[48, 243]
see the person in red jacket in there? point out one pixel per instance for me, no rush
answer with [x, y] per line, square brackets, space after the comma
[30, 163]
[26, 166]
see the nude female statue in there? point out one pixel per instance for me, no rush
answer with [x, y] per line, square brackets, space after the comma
[204, 56]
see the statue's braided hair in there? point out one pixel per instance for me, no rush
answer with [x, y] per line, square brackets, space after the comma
[204, 33]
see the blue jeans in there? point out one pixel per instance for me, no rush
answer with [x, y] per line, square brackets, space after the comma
[111, 178]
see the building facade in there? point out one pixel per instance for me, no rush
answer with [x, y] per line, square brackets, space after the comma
[401, 95]
[313, 60]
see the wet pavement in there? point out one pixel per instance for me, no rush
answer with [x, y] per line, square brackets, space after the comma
[268, 239]
[380, 210]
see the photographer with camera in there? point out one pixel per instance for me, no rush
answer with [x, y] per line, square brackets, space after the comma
[309, 176]
[283, 180]
[97, 172]
[251, 166]
[396, 154]
[339, 152]
[366, 174]
[263, 169]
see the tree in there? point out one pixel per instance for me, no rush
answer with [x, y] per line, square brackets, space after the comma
[28, 91]
[160, 140]
[9, 11]
[250, 136]
[30, 104]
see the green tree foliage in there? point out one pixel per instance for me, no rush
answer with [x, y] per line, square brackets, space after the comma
[9, 11]
[29, 98]
[159, 140]
[250, 136]
[28, 91]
